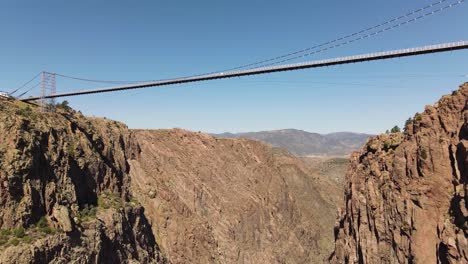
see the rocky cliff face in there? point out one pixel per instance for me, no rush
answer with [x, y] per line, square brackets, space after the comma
[216, 200]
[88, 190]
[406, 194]
[65, 190]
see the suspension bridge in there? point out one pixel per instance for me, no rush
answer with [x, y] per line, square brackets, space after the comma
[275, 64]
[263, 70]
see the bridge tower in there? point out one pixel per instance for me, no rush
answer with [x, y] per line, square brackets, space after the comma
[48, 87]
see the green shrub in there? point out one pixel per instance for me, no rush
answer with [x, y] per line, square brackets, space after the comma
[19, 232]
[110, 200]
[5, 232]
[133, 200]
[3, 241]
[423, 154]
[408, 122]
[418, 117]
[92, 212]
[27, 239]
[71, 148]
[42, 222]
[102, 203]
[14, 242]
[47, 230]
[87, 213]
[64, 105]
[395, 129]
[25, 111]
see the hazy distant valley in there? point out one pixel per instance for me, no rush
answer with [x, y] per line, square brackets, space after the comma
[303, 143]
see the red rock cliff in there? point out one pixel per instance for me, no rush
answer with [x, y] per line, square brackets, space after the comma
[405, 197]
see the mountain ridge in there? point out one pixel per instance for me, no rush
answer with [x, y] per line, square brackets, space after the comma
[304, 143]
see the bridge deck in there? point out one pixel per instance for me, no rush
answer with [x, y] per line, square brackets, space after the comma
[288, 67]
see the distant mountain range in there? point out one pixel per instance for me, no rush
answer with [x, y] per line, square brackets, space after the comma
[303, 143]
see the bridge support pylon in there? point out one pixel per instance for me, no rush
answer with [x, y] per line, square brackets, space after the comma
[48, 87]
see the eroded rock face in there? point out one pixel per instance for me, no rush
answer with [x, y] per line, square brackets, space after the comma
[213, 200]
[406, 195]
[54, 170]
[127, 239]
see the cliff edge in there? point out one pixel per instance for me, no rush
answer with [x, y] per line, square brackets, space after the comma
[64, 192]
[406, 194]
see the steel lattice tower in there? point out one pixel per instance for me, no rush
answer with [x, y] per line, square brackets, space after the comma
[48, 87]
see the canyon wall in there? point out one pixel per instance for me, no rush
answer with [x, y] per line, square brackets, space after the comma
[406, 193]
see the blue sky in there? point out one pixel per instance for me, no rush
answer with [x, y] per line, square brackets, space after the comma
[146, 40]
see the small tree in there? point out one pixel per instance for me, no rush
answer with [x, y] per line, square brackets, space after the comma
[64, 105]
[395, 129]
[408, 122]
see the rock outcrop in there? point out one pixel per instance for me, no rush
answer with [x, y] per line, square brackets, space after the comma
[213, 200]
[64, 192]
[406, 194]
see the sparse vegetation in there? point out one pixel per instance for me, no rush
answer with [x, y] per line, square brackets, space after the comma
[5, 232]
[14, 242]
[408, 122]
[418, 117]
[110, 200]
[133, 200]
[27, 239]
[87, 213]
[43, 227]
[63, 105]
[47, 230]
[105, 201]
[339, 161]
[25, 111]
[71, 148]
[19, 232]
[13, 237]
[42, 222]
[423, 154]
[395, 129]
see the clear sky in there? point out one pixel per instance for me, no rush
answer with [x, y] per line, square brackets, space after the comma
[147, 40]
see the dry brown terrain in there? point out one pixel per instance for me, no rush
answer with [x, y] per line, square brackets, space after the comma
[213, 200]
[333, 168]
